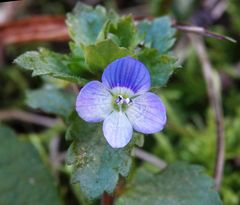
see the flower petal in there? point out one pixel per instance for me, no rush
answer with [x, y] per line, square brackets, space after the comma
[94, 102]
[117, 129]
[147, 113]
[127, 72]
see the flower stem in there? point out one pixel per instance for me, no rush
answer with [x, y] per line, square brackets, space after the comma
[107, 199]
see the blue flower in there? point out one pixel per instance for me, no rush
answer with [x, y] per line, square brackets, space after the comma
[123, 102]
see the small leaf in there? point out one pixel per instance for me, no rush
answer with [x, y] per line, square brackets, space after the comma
[45, 62]
[178, 184]
[125, 31]
[86, 22]
[24, 178]
[96, 165]
[161, 67]
[158, 33]
[98, 56]
[76, 61]
[55, 101]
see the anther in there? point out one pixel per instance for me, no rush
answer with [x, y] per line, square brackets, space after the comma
[119, 100]
[128, 101]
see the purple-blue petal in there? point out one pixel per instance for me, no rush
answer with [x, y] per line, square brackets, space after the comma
[147, 113]
[127, 72]
[94, 102]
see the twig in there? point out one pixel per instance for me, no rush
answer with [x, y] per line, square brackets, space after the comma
[214, 95]
[214, 9]
[28, 117]
[141, 154]
[202, 31]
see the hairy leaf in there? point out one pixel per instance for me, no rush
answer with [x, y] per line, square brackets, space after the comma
[24, 178]
[86, 22]
[161, 66]
[158, 33]
[100, 55]
[96, 165]
[45, 62]
[125, 32]
[178, 184]
[52, 100]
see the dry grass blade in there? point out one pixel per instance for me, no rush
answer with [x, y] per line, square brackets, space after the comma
[214, 95]
[202, 31]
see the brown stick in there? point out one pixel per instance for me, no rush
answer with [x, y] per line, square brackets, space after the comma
[27, 117]
[214, 95]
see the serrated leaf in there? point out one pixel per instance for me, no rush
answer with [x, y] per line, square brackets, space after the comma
[85, 23]
[161, 66]
[98, 56]
[54, 101]
[158, 33]
[125, 32]
[178, 184]
[24, 178]
[45, 62]
[97, 166]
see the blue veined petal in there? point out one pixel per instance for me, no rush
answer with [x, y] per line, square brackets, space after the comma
[147, 113]
[127, 72]
[94, 102]
[117, 129]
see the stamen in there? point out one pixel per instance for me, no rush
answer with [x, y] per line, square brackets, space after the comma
[128, 101]
[119, 100]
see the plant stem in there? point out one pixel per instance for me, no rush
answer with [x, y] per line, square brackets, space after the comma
[107, 199]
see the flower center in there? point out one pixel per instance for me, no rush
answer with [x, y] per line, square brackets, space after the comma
[122, 103]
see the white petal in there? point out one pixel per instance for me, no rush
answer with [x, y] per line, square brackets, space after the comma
[117, 129]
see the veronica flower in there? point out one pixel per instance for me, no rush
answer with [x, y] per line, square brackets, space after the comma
[122, 102]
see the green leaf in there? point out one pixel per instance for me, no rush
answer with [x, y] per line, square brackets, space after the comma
[76, 50]
[54, 101]
[45, 62]
[178, 184]
[161, 66]
[125, 32]
[76, 61]
[86, 22]
[158, 33]
[96, 166]
[24, 178]
[98, 56]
